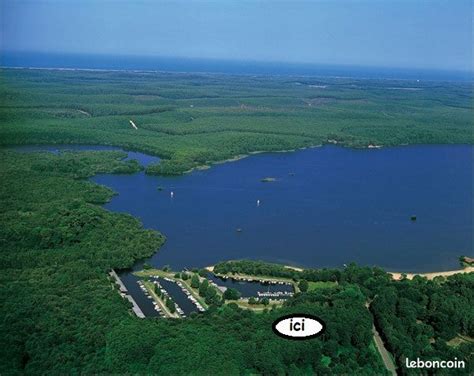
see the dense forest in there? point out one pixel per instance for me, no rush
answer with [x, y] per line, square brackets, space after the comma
[430, 319]
[61, 314]
[191, 119]
[56, 246]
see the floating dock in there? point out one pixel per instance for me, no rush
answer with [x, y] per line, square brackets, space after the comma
[124, 292]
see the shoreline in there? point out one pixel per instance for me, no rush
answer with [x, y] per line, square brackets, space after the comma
[209, 164]
[395, 275]
[430, 275]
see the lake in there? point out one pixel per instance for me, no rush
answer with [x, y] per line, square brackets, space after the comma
[328, 206]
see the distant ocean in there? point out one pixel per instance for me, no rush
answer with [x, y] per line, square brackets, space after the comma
[166, 64]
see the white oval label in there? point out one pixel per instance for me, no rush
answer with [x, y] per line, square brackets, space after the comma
[299, 326]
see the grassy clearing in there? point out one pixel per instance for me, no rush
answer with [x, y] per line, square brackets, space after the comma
[320, 285]
[244, 303]
[460, 339]
[154, 272]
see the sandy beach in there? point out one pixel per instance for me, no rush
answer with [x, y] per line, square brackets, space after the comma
[397, 275]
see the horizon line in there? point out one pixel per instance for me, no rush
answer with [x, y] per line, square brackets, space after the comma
[242, 61]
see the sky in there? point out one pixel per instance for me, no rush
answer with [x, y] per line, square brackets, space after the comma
[386, 33]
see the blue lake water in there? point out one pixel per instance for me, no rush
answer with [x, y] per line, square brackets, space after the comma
[329, 206]
[249, 289]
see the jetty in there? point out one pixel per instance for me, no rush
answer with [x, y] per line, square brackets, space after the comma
[159, 302]
[190, 296]
[119, 282]
[249, 278]
[275, 294]
[124, 293]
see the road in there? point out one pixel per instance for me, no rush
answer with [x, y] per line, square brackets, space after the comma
[384, 354]
[387, 359]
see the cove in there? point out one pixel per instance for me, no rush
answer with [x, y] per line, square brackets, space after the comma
[144, 159]
[327, 207]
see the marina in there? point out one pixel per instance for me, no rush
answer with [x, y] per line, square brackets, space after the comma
[147, 293]
[191, 297]
[185, 303]
[247, 287]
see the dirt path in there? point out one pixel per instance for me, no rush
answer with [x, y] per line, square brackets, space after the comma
[384, 353]
[84, 112]
[386, 357]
